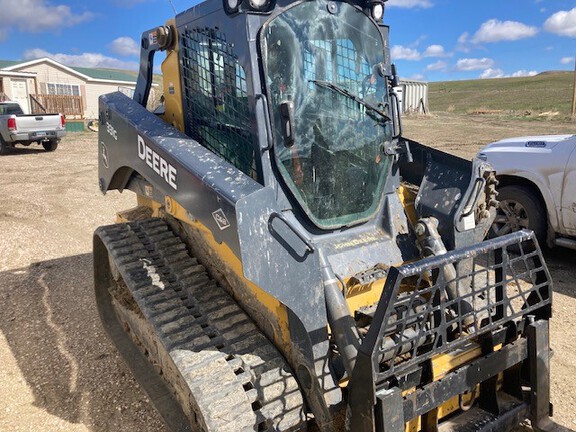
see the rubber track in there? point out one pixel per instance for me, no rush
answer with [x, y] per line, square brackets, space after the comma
[224, 371]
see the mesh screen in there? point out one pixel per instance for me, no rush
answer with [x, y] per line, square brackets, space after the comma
[350, 71]
[494, 287]
[216, 98]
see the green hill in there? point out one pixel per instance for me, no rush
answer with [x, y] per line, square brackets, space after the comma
[545, 92]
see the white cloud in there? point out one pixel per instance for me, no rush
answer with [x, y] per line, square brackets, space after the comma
[440, 65]
[36, 16]
[418, 41]
[567, 60]
[523, 73]
[495, 30]
[435, 51]
[125, 46]
[417, 77]
[562, 23]
[463, 38]
[90, 60]
[464, 44]
[499, 73]
[492, 73]
[400, 52]
[471, 64]
[409, 4]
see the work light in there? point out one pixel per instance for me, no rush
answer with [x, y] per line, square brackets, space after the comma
[232, 6]
[377, 11]
[259, 4]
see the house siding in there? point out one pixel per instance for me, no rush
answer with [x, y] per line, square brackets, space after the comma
[93, 92]
[7, 87]
[47, 73]
[89, 90]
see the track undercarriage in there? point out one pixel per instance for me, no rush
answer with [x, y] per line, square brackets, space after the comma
[183, 327]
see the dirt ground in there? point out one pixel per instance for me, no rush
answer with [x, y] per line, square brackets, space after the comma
[59, 372]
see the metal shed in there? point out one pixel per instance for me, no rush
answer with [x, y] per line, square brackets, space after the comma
[413, 95]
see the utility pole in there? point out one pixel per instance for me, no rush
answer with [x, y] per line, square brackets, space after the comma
[574, 94]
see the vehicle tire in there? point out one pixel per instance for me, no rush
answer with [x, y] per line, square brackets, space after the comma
[50, 145]
[520, 208]
[4, 148]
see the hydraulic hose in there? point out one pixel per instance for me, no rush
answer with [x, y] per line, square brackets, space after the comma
[340, 319]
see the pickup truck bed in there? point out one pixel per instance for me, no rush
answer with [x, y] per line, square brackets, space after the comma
[19, 128]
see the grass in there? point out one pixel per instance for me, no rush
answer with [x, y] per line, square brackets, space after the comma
[525, 97]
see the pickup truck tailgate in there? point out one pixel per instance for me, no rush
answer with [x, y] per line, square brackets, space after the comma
[37, 122]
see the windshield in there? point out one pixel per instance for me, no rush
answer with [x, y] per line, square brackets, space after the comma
[322, 63]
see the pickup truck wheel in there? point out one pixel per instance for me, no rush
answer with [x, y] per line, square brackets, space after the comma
[50, 145]
[520, 208]
[4, 148]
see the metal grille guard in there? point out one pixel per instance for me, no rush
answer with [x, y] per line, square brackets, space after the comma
[500, 281]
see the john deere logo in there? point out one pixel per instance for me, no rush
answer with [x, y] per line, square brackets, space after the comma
[221, 219]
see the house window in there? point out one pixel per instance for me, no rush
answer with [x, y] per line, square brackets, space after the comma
[63, 89]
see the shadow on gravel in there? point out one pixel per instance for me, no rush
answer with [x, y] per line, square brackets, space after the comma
[562, 265]
[48, 315]
[24, 150]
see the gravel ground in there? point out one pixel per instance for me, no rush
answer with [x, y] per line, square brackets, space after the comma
[59, 371]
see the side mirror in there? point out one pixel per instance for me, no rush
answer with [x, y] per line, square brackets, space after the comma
[396, 105]
[287, 122]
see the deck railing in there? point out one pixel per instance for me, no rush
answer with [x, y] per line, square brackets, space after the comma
[67, 105]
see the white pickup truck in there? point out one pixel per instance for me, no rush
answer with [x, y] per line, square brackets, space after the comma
[19, 128]
[537, 187]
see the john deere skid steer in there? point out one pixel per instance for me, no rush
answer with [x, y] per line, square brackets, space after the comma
[293, 260]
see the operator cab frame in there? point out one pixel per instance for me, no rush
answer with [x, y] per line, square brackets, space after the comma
[334, 169]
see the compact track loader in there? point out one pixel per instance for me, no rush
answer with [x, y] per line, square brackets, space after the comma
[294, 261]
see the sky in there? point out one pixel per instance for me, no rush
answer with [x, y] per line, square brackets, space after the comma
[432, 40]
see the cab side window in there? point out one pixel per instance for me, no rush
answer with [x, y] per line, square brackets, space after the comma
[216, 98]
